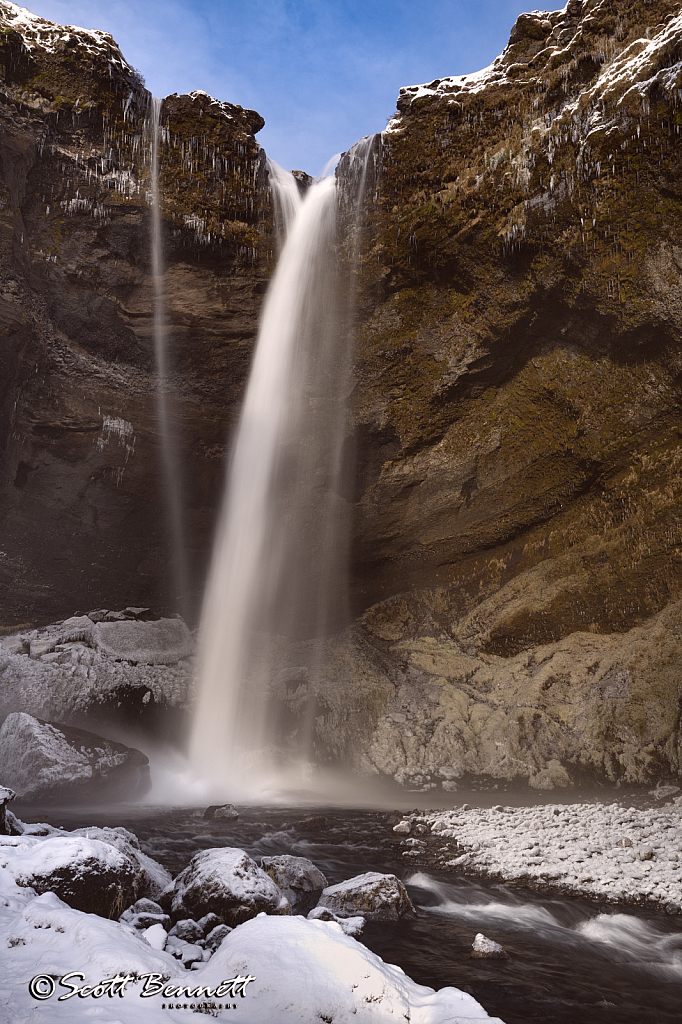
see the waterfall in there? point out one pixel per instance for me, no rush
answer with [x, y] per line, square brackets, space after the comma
[279, 568]
[170, 460]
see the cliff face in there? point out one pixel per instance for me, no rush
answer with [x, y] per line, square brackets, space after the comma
[517, 407]
[82, 519]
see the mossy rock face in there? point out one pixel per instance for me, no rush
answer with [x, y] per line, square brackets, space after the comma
[520, 327]
[517, 408]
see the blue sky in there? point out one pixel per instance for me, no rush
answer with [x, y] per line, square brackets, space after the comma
[322, 74]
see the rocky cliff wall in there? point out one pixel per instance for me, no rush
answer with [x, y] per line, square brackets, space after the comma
[517, 410]
[82, 515]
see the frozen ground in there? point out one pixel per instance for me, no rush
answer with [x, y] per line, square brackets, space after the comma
[606, 851]
[58, 963]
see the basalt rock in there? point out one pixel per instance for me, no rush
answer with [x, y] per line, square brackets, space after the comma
[82, 518]
[225, 882]
[518, 413]
[50, 763]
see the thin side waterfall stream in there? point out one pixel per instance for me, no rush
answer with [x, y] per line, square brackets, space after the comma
[170, 458]
[278, 570]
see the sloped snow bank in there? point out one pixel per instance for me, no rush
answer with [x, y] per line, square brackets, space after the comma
[270, 968]
[302, 971]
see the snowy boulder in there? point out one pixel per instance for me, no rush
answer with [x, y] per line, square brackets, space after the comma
[87, 874]
[187, 930]
[226, 882]
[208, 922]
[156, 936]
[216, 936]
[151, 878]
[160, 642]
[5, 796]
[484, 948]
[45, 936]
[145, 913]
[48, 763]
[349, 925]
[374, 896]
[310, 971]
[221, 812]
[298, 878]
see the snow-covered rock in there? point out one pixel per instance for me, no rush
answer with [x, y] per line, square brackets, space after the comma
[63, 865]
[156, 936]
[373, 895]
[349, 925]
[88, 874]
[160, 642]
[46, 763]
[226, 882]
[484, 948]
[221, 812]
[187, 930]
[216, 936]
[5, 796]
[145, 913]
[298, 878]
[151, 878]
[310, 971]
[41, 935]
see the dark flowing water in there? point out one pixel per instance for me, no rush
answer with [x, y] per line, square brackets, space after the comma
[571, 961]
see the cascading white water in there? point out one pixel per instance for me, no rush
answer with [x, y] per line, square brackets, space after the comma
[170, 461]
[276, 569]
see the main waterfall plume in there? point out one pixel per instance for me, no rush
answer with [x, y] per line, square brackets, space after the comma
[278, 570]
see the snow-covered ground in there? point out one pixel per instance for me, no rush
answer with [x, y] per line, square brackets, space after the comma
[606, 851]
[60, 964]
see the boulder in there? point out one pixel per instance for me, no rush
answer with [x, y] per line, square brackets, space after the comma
[298, 878]
[221, 812]
[160, 642]
[226, 882]
[5, 796]
[187, 930]
[373, 895]
[348, 925]
[45, 762]
[88, 874]
[151, 878]
[208, 922]
[156, 936]
[216, 936]
[484, 948]
[145, 913]
[309, 971]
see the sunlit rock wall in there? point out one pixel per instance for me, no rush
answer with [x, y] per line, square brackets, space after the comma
[517, 403]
